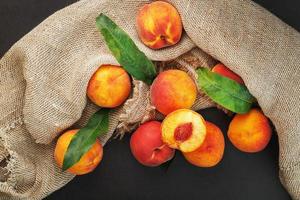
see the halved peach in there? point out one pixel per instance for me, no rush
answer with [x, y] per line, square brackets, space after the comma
[184, 129]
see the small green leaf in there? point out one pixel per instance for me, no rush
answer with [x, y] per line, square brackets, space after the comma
[224, 91]
[85, 138]
[125, 51]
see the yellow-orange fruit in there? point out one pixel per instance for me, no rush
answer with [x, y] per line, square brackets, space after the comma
[222, 70]
[109, 86]
[184, 129]
[159, 25]
[210, 153]
[250, 132]
[88, 162]
[172, 90]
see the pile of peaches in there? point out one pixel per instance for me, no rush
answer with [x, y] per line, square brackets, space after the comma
[173, 93]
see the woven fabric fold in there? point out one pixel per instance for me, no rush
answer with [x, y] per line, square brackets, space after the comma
[43, 80]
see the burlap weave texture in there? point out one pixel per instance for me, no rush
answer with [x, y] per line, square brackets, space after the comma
[43, 80]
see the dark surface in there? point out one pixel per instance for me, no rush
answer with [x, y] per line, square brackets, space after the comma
[239, 176]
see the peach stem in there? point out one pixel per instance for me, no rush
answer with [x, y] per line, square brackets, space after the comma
[157, 149]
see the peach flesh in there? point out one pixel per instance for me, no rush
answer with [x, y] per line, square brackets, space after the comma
[184, 129]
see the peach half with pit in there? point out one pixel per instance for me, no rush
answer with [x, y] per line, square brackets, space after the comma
[184, 129]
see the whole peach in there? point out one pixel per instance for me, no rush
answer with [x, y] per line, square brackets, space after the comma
[210, 153]
[159, 25]
[172, 90]
[147, 146]
[88, 162]
[250, 132]
[109, 86]
[222, 70]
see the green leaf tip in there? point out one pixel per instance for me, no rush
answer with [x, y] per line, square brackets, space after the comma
[85, 138]
[224, 91]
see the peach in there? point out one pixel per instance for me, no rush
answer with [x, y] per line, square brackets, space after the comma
[147, 146]
[88, 162]
[172, 90]
[210, 153]
[109, 86]
[159, 25]
[184, 129]
[222, 70]
[250, 132]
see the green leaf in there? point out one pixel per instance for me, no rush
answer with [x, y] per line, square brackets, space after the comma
[125, 51]
[85, 138]
[224, 91]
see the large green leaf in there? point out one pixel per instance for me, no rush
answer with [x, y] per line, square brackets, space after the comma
[85, 138]
[125, 51]
[224, 91]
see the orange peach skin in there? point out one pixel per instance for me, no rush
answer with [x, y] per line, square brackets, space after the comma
[250, 132]
[159, 25]
[225, 71]
[172, 90]
[88, 161]
[109, 86]
[210, 153]
[147, 146]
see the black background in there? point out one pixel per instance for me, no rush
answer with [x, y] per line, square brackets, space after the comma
[239, 176]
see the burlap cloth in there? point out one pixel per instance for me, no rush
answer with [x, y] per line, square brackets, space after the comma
[43, 80]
